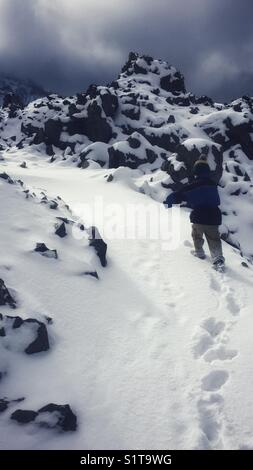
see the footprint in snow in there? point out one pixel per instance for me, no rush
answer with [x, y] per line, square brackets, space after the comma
[214, 380]
[220, 354]
[210, 330]
[210, 418]
[213, 327]
[215, 285]
[210, 345]
[204, 342]
[232, 305]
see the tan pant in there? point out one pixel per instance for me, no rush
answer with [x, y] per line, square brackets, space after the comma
[212, 235]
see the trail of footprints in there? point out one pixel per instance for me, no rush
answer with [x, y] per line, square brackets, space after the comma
[210, 345]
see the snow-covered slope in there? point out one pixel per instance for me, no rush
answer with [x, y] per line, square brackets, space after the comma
[155, 354]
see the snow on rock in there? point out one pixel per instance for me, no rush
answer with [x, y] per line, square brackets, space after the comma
[133, 152]
[181, 163]
[98, 244]
[61, 230]
[97, 152]
[51, 416]
[5, 296]
[29, 336]
[45, 251]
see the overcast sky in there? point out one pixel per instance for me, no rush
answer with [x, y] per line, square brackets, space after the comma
[67, 44]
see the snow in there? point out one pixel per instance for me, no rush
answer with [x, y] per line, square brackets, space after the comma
[154, 355]
[155, 351]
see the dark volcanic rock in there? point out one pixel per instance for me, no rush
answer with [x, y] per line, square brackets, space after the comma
[118, 158]
[203, 100]
[173, 83]
[245, 265]
[52, 132]
[39, 329]
[6, 177]
[61, 230]
[241, 134]
[98, 244]
[51, 416]
[29, 129]
[133, 56]
[92, 274]
[41, 342]
[5, 296]
[24, 416]
[134, 143]
[123, 154]
[45, 251]
[133, 113]
[94, 125]
[66, 419]
[189, 156]
[81, 99]
[171, 119]
[168, 140]
[109, 103]
[235, 134]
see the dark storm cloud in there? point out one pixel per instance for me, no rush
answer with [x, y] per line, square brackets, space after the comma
[66, 45]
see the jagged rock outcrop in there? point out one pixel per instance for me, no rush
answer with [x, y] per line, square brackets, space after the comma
[100, 247]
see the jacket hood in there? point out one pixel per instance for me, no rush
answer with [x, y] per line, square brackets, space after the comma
[201, 169]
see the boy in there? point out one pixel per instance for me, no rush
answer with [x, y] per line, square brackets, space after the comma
[203, 198]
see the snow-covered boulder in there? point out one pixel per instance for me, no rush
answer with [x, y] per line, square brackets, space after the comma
[133, 152]
[180, 164]
[45, 251]
[231, 126]
[52, 416]
[97, 152]
[29, 336]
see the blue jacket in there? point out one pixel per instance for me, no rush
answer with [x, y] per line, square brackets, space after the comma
[202, 197]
